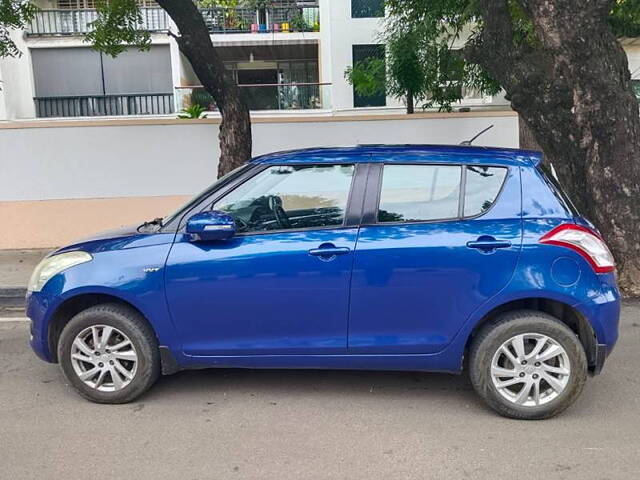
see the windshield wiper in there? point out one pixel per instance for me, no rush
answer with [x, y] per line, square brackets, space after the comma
[156, 222]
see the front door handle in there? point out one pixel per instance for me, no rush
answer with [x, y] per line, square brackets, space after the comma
[488, 243]
[328, 251]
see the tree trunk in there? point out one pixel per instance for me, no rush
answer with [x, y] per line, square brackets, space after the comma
[195, 44]
[527, 136]
[573, 90]
[410, 102]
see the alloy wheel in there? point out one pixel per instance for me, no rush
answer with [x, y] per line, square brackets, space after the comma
[104, 358]
[530, 369]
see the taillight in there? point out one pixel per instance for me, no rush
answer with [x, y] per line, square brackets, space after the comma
[584, 241]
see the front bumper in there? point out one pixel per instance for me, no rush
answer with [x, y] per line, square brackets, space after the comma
[38, 305]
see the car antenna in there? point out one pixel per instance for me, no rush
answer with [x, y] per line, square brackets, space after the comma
[469, 142]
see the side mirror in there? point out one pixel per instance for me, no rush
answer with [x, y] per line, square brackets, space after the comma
[211, 225]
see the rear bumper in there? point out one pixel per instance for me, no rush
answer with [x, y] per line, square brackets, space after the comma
[600, 356]
[603, 314]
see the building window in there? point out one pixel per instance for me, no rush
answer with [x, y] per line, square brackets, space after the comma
[76, 4]
[367, 8]
[363, 53]
[80, 82]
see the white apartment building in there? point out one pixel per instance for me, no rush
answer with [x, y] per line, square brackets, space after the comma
[289, 58]
[69, 171]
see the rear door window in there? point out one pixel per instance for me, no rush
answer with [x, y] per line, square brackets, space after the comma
[414, 193]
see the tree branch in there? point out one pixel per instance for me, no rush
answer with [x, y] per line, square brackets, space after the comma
[195, 44]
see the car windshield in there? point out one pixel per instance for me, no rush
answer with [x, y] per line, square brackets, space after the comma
[197, 198]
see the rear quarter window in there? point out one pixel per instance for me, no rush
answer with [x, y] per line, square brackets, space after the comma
[554, 185]
[482, 186]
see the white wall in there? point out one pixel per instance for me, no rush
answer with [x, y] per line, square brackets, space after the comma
[338, 33]
[180, 158]
[3, 107]
[17, 83]
[633, 55]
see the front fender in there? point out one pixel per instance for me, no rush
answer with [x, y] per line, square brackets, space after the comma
[134, 276]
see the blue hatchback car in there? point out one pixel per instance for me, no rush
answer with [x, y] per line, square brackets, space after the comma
[406, 257]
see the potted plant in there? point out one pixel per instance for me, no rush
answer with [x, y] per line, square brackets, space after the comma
[222, 14]
[202, 98]
[298, 23]
[260, 7]
[193, 112]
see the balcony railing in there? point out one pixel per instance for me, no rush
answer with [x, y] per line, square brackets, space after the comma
[283, 96]
[105, 105]
[154, 19]
[78, 22]
[274, 19]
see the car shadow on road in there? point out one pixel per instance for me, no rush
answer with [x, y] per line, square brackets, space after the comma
[319, 383]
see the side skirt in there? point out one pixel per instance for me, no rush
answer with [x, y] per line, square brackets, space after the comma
[437, 362]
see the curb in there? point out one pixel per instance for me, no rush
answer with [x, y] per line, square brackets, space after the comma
[12, 293]
[12, 303]
[12, 298]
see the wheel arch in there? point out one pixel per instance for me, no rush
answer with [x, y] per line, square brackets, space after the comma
[76, 304]
[562, 311]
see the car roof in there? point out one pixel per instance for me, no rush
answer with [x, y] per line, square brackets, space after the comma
[405, 154]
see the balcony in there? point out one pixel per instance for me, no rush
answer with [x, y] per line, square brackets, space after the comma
[283, 96]
[78, 22]
[268, 20]
[219, 20]
[105, 105]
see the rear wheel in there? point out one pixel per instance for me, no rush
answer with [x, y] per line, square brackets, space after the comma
[109, 354]
[527, 365]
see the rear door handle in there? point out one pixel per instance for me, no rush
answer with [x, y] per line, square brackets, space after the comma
[329, 251]
[488, 243]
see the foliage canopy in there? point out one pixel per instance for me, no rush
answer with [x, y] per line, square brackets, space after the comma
[425, 49]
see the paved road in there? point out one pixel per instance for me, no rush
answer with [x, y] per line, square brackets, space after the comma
[224, 424]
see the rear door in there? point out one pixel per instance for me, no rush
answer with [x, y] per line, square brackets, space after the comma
[437, 241]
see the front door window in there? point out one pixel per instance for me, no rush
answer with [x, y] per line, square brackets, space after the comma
[290, 197]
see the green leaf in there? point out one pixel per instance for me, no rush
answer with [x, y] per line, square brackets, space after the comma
[14, 15]
[192, 112]
[118, 26]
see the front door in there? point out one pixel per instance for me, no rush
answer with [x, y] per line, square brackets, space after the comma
[281, 285]
[433, 252]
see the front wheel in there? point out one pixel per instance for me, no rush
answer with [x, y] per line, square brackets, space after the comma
[527, 365]
[109, 354]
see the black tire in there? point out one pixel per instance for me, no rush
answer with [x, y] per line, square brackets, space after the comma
[142, 337]
[493, 335]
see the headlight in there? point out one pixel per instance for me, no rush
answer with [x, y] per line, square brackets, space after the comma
[51, 266]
